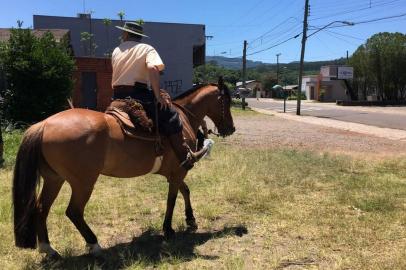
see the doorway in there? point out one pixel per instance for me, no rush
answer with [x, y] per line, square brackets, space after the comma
[89, 90]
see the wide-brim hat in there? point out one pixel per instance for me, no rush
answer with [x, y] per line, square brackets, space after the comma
[134, 28]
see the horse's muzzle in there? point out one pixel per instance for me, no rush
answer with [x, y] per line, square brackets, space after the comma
[227, 131]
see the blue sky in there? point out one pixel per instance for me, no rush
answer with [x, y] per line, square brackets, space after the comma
[263, 23]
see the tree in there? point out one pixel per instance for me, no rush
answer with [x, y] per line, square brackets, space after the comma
[210, 73]
[20, 23]
[268, 81]
[38, 72]
[140, 21]
[107, 24]
[121, 15]
[379, 66]
[89, 46]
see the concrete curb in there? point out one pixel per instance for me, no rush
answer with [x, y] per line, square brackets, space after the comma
[387, 133]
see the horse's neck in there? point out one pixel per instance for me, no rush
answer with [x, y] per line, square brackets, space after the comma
[194, 105]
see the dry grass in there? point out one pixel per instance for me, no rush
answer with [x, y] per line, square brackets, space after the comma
[256, 208]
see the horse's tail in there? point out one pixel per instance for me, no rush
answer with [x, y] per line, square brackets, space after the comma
[25, 180]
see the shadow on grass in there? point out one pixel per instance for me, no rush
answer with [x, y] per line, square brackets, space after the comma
[148, 249]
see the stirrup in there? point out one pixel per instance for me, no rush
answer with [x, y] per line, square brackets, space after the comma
[192, 157]
[189, 162]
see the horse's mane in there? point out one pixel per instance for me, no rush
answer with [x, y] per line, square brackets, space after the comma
[192, 90]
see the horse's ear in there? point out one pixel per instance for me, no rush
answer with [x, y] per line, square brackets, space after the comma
[221, 84]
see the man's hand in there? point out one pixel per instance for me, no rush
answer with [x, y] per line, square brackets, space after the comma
[163, 102]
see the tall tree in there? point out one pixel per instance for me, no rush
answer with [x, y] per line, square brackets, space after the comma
[121, 15]
[379, 66]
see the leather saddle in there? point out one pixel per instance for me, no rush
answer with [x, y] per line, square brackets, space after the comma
[132, 119]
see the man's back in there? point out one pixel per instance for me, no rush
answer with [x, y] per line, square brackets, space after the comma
[129, 61]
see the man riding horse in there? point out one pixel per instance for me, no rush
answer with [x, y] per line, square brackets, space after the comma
[136, 68]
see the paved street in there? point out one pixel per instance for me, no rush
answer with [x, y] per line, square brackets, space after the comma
[385, 117]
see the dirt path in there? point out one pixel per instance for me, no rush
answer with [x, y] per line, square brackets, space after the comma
[272, 132]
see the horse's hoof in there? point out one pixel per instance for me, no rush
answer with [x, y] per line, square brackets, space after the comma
[50, 253]
[191, 226]
[169, 233]
[53, 257]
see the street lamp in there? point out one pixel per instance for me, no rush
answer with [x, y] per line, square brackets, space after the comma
[324, 27]
[304, 38]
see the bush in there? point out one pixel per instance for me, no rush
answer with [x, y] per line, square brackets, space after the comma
[294, 97]
[38, 72]
[237, 103]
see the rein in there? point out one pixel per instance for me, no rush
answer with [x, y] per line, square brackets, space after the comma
[187, 111]
[183, 108]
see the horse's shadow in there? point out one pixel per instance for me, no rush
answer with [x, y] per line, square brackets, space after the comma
[148, 249]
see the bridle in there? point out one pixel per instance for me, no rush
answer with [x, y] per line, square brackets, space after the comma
[221, 95]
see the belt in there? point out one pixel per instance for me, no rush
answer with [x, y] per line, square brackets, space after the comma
[128, 89]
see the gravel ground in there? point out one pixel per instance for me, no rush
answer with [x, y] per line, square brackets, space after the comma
[264, 131]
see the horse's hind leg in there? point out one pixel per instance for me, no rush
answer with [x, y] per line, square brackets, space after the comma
[80, 196]
[50, 190]
[190, 219]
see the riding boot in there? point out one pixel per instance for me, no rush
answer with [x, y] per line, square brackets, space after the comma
[183, 152]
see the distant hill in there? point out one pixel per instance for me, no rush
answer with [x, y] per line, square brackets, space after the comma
[236, 63]
[232, 63]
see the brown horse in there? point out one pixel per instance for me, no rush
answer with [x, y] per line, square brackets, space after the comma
[78, 145]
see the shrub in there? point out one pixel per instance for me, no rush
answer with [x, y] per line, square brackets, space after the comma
[38, 72]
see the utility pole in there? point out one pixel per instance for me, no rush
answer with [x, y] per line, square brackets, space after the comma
[277, 67]
[304, 38]
[244, 73]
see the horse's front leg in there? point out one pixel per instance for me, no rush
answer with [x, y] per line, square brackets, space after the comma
[170, 205]
[190, 219]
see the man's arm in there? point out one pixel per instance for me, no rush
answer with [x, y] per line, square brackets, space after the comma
[154, 80]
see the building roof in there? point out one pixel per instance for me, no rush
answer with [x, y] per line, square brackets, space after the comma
[291, 87]
[58, 33]
[246, 82]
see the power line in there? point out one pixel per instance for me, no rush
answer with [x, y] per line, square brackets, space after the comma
[247, 12]
[350, 6]
[381, 19]
[353, 10]
[345, 35]
[370, 21]
[278, 44]
[270, 31]
[277, 36]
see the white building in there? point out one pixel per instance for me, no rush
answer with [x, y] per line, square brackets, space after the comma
[330, 85]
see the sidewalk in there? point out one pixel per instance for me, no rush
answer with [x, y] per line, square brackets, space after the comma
[399, 110]
[387, 133]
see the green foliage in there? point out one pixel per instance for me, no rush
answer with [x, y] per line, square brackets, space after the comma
[88, 44]
[379, 67]
[294, 97]
[107, 24]
[210, 73]
[140, 21]
[121, 15]
[269, 80]
[265, 73]
[12, 140]
[38, 72]
[107, 21]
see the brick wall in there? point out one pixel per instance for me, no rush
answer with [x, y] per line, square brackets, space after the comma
[103, 70]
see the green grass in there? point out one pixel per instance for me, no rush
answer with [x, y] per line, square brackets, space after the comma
[256, 209]
[11, 142]
[238, 112]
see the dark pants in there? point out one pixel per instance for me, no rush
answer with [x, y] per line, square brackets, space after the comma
[168, 119]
